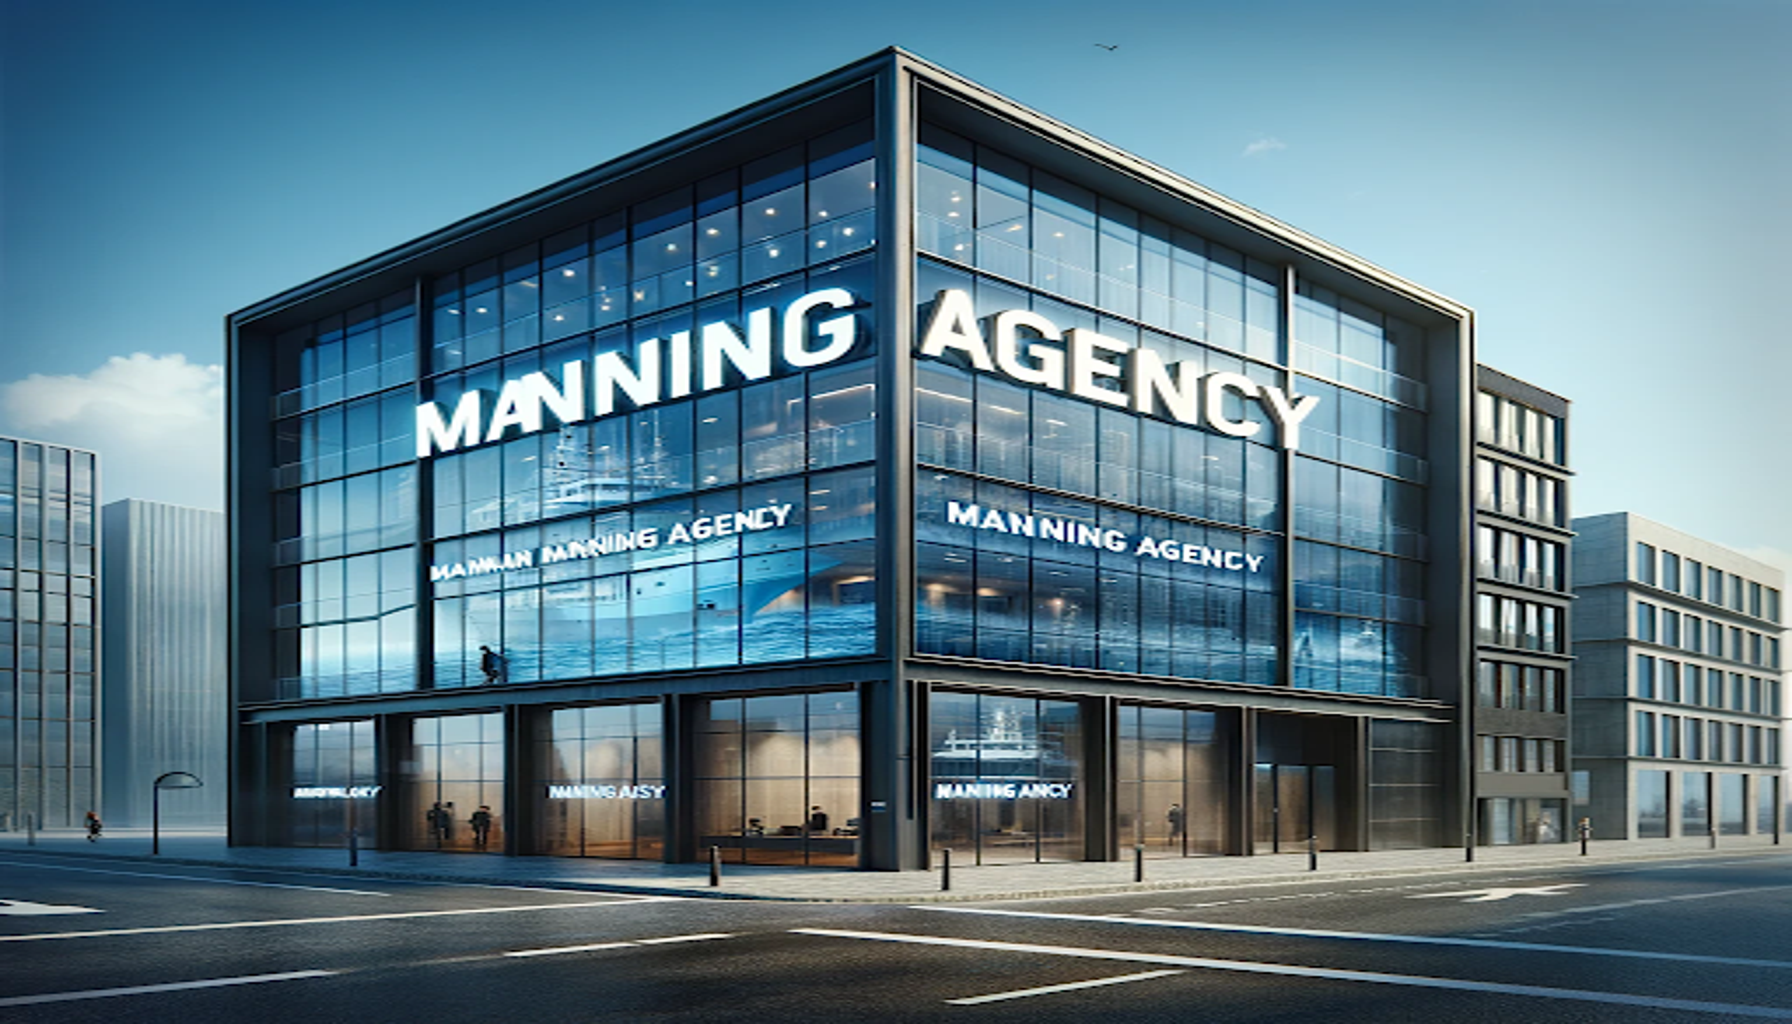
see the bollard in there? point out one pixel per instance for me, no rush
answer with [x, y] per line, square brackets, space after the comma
[1468, 847]
[1138, 862]
[354, 848]
[30, 829]
[715, 867]
[945, 870]
[1586, 833]
[1312, 853]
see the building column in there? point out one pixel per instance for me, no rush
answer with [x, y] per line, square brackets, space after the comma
[1241, 830]
[679, 805]
[890, 838]
[391, 744]
[1101, 763]
[519, 786]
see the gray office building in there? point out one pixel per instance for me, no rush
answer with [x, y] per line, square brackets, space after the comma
[1522, 600]
[163, 654]
[1678, 690]
[48, 713]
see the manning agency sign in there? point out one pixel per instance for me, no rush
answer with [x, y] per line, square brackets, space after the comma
[681, 364]
[1025, 346]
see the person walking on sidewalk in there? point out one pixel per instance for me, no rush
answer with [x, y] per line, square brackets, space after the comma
[93, 827]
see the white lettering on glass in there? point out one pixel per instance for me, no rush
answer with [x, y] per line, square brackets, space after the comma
[1068, 531]
[657, 370]
[1107, 370]
[701, 528]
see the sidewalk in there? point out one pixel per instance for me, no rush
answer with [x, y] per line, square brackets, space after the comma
[812, 885]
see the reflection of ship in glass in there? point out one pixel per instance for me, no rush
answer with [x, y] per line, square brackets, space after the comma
[571, 483]
[664, 621]
[1004, 749]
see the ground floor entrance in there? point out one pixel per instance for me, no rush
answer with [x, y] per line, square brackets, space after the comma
[817, 777]
[1296, 803]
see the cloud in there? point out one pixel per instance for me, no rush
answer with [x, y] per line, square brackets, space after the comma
[157, 423]
[1266, 144]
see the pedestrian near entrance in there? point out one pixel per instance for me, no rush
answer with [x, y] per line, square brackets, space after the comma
[492, 664]
[482, 826]
[1174, 817]
[818, 821]
[93, 827]
[440, 821]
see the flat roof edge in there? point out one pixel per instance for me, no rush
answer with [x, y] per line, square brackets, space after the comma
[50, 444]
[862, 70]
[1145, 170]
[859, 71]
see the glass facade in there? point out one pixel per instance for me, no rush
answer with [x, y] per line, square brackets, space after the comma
[1174, 795]
[1007, 777]
[48, 612]
[777, 778]
[455, 774]
[1507, 821]
[601, 789]
[333, 784]
[1695, 803]
[1405, 785]
[1651, 794]
[1013, 237]
[582, 513]
[353, 501]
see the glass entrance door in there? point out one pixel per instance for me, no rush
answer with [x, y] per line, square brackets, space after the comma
[1294, 801]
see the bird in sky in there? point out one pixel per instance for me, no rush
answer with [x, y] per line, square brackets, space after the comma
[1110, 48]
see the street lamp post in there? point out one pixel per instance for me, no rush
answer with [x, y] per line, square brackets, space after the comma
[166, 780]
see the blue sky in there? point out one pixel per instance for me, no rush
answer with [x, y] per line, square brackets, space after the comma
[1603, 182]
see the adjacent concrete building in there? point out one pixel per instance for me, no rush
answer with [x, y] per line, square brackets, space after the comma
[163, 653]
[1522, 642]
[48, 712]
[1678, 689]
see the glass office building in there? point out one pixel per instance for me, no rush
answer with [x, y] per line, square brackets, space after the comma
[49, 710]
[880, 468]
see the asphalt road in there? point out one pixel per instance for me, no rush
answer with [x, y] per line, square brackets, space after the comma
[1705, 940]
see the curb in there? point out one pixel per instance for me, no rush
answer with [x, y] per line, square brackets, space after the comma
[1086, 889]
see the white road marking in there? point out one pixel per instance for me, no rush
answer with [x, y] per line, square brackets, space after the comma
[196, 878]
[556, 950]
[22, 908]
[1325, 933]
[1049, 989]
[1327, 973]
[685, 938]
[1648, 901]
[1499, 892]
[221, 925]
[140, 990]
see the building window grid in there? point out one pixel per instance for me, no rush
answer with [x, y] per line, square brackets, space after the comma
[1518, 428]
[46, 632]
[1501, 684]
[1519, 493]
[828, 443]
[1520, 755]
[1512, 557]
